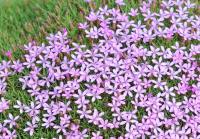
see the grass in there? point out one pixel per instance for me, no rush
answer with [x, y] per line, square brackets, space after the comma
[22, 21]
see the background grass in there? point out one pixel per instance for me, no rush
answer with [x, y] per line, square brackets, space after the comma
[22, 21]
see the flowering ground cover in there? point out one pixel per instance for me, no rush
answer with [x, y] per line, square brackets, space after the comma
[127, 73]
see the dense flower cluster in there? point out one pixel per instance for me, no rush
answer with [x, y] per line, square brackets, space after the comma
[162, 82]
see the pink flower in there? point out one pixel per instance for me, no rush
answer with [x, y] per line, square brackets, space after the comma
[120, 2]
[121, 72]
[96, 135]
[31, 128]
[11, 121]
[8, 54]
[4, 105]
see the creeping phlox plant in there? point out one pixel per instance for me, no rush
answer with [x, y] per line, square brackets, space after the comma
[123, 84]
